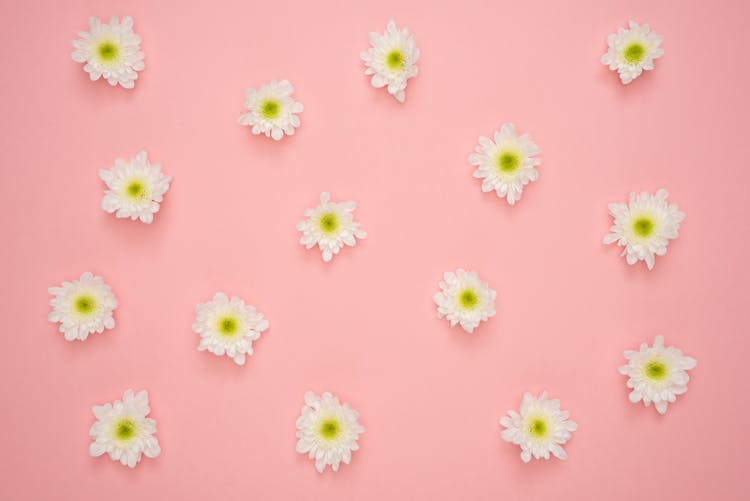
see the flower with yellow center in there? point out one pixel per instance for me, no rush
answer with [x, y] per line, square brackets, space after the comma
[327, 431]
[391, 60]
[271, 110]
[135, 188]
[465, 299]
[506, 163]
[632, 50]
[123, 430]
[83, 306]
[111, 51]
[330, 226]
[657, 374]
[644, 226]
[228, 327]
[539, 427]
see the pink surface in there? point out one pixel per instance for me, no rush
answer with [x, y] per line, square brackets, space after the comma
[365, 327]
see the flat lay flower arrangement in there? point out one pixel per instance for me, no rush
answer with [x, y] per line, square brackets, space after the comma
[506, 163]
[508, 167]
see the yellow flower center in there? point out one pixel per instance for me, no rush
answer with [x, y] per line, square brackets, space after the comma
[634, 52]
[329, 223]
[136, 190]
[270, 109]
[468, 299]
[125, 429]
[84, 304]
[538, 427]
[330, 429]
[108, 51]
[508, 162]
[227, 326]
[643, 226]
[395, 60]
[656, 370]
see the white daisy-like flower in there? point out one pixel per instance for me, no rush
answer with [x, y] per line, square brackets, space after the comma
[228, 327]
[539, 427]
[657, 374]
[327, 431]
[111, 51]
[644, 226]
[632, 50]
[271, 110]
[123, 431]
[82, 307]
[135, 188]
[506, 164]
[465, 299]
[391, 60]
[330, 226]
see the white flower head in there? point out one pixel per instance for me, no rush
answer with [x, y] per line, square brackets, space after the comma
[507, 163]
[465, 299]
[271, 110]
[657, 374]
[111, 51]
[327, 431]
[391, 60]
[644, 226]
[82, 307]
[632, 50]
[330, 226]
[539, 427]
[228, 327]
[135, 188]
[123, 431]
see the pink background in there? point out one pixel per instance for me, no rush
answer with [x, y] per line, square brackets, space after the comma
[365, 326]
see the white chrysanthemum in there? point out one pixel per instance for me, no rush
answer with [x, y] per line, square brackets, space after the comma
[644, 226]
[135, 188]
[465, 299]
[123, 431]
[392, 59]
[632, 50]
[657, 374]
[228, 326]
[539, 427]
[111, 51]
[506, 164]
[82, 307]
[327, 431]
[330, 226]
[271, 110]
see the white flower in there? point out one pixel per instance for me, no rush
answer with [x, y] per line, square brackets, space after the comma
[134, 188]
[327, 431]
[392, 60]
[271, 110]
[632, 50]
[330, 226]
[644, 226]
[506, 164]
[82, 307]
[228, 326]
[657, 374]
[111, 51]
[540, 427]
[465, 299]
[123, 431]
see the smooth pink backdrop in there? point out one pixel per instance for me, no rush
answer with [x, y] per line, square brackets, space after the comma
[364, 326]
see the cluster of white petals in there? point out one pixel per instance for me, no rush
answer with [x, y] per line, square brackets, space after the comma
[657, 374]
[123, 429]
[327, 431]
[112, 51]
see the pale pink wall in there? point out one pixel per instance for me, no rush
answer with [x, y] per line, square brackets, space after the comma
[365, 326]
